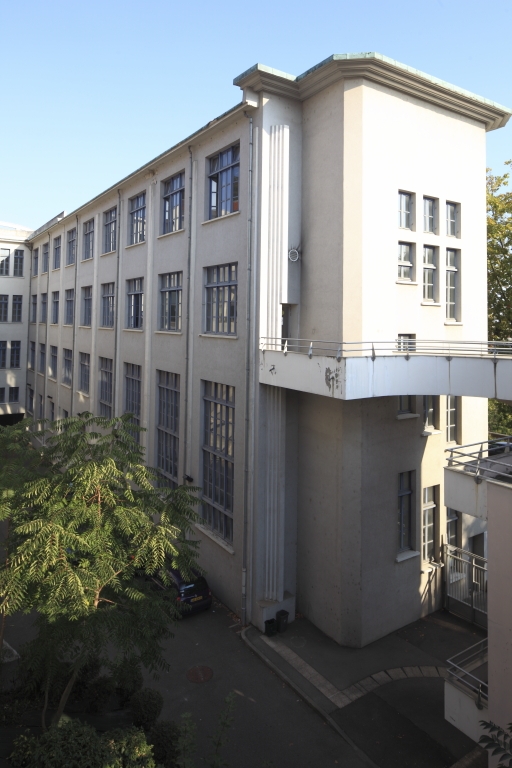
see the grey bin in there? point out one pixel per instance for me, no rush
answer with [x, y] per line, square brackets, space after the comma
[282, 620]
[270, 627]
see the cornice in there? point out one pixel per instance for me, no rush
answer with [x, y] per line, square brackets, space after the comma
[381, 70]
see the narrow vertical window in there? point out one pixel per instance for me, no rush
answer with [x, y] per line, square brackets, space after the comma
[56, 252]
[2, 394]
[32, 355]
[452, 520]
[221, 299]
[224, 177]
[428, 214]
[170, 301]
[35, 262]
[14, 394]
[428, 524]
[429, 412]
[88, 240]
[138, 219]
[70, 306]
[46, 257]
[110, 231]
[174, 197]
[132, 394]
[451, 219]
[19, 258]
[135, 303]
[404, 511]
[4, 261]
[451, 284]
[85, 370]
[404, 404]
[87, 305]
[168, 417]
[33, 315]
[42, 358]
[17, 309]
[52, 368]
[429, 271]
[67, 366]
[4, 307]
[107, 305]
[30, 400]
[218, 458]
[55, 307]
[71, 249]
[106, 389]
[3, 354]
[52, 411]
[405, 261]
[15, 354]
[41, 408]
[44, 307]
[451, 419]
[404, 210]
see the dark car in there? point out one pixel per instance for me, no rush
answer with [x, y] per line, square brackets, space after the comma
[194, 595]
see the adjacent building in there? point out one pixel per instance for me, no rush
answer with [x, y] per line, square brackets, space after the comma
[262, 298]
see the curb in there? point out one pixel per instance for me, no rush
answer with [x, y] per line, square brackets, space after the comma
[307, 699]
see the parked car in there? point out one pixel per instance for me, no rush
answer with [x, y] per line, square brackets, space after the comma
[195, 594]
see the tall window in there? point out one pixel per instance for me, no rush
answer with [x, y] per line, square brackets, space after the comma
[17, 309]
[132, 393]
[451, 284]
[70, 306]
[18, 263]
[15, 354]
[135, 303]
[4, 307]
[71, 250]
[452, 519]
[41, 408]
[428, 524]
[33, 315]
[88, 240]
[30, 400]
[109, 227]
[35, 261]
[14, 394]
[55, 307]
[52, 368]
[451, 219]
[218, 458]
[168, 393]
[87, 305]
[221, 299]
[451, 419]
[429, 271]
[3, 354]
[405, 261]
[2, 394]
[404, 404]
[174, 195]
[42, 358]
[170, 301]
[404, 210]
[44, 307]
[4, 262]
[107, 305]
[67, 366]
[52, 410]
[428, 214]
[105, 367]
[138, 219]
[224, 177]
[404, 511]
[46, 257]
[32, 355]
[56, 252]
[429, 412]
[85, 370]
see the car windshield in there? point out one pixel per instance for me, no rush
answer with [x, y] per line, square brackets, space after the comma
[194, 586]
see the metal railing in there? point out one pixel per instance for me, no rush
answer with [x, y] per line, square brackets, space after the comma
[465, 584]
[462, 666]
[373, 349]
[481, 459]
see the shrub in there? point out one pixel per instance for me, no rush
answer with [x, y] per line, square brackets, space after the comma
[164, 737]
[128, 748]
[128, 677]
[88, 673]
[72, 745]
[98, 693]
[146, 706]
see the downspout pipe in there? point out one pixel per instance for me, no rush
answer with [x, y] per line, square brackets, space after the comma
[248, 353]
[48, 310]
[117, 298]
[187, 320]
[75, 307]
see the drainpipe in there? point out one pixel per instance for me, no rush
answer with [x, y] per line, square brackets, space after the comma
[28, 310]
[248, 409]
[48, 308]
[74, 325]
[117, 298]
[187, 320]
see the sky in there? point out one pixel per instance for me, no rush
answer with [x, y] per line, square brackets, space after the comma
[92, 90]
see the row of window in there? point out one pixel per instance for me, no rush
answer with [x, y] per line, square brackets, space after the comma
[406, 268]
[13, 394]
[15, 354]
[223, 179]
[5, 263]
[16, 308]
[220, 300]
[430, 413]
[431, 215]
[429, 519]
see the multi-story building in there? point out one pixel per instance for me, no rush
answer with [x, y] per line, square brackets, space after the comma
[261, 298]
[14, 288]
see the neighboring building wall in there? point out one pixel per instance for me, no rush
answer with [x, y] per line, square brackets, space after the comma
[13, 318]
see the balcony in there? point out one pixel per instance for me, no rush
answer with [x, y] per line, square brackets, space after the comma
[357, 370]
[466, 690]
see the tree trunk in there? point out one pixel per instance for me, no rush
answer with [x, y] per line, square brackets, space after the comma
[65, 696]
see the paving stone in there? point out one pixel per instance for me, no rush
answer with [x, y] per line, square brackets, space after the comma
[412, 671]
[443, 672]
[381, 678]
[353, 693]
[340, 700]
[369, 684]
[429, 671]
[396, 674]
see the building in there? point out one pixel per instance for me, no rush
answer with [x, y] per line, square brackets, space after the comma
[14, 290]
[346, 205]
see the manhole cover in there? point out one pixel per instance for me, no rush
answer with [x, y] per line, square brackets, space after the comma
[199, 674]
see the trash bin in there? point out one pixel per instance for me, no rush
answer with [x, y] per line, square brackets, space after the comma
[282, 620]
[270, 627]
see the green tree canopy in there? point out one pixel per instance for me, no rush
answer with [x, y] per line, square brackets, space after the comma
[499, 255]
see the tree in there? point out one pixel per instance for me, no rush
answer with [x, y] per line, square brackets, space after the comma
[499, 256]
[499, 742]
[88, 529]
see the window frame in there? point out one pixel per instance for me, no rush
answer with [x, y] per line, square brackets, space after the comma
[430, 216]
[42, 358]
[429, 282]
[17, 308]
[405, 212]
[19, 258]
[404, 264]
[3, 354]
[35, 262]
[86, 318]
[133, 394]
[88, 240]
[57, 251]
[135, 308]
[405, 511]
[71, 247]
[216, 174]
[105, 386]
[84, 368]
[15, 355]
[452, 424]
[137, 218]
[45, 258]
[169, 204]
[110, 230]
[214, 298]
[168, 424]
[5, 262]
[4, 308]
[108, 305]
[172, 290]
[451, 285]
[67, 366]
[452, 223]
[53, 362]
[69, 299]
[55, 307]
[44, 308]
[429, 523]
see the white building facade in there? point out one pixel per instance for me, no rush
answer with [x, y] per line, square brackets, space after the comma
[343, 206]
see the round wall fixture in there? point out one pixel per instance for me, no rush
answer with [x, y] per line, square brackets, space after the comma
[293, 254]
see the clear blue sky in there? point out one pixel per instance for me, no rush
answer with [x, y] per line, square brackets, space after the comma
[92, 90]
